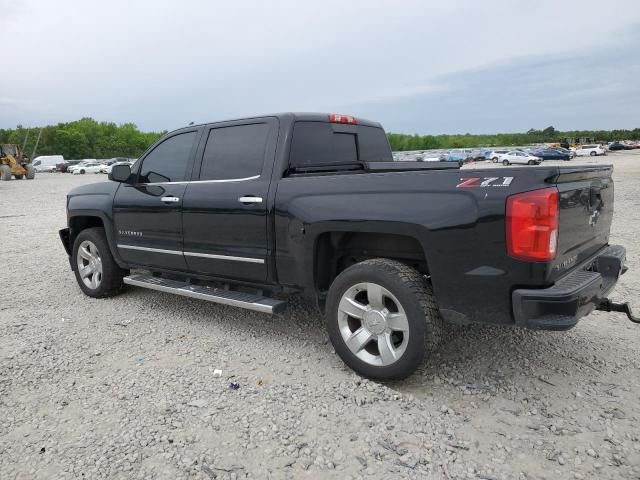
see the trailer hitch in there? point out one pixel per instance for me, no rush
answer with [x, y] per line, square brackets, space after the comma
[607, 305]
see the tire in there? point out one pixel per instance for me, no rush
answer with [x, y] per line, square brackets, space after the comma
[494, 159]
[5, 172]
[401, 289]
[31, 172]
[531, 162]
[104, 278]
[593, 154]
[82, 172]
[505, 163]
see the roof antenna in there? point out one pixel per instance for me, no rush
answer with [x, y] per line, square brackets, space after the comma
[191, 124]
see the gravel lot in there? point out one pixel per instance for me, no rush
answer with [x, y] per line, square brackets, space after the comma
[125, 387]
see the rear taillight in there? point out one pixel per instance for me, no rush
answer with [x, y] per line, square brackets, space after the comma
[532, 225]
[337, 118]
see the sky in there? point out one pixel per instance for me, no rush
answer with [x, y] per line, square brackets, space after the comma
[415, 66]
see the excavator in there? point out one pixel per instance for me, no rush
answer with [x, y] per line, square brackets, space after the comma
[13, 162]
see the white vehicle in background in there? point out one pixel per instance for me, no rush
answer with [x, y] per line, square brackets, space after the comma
[592, 150]
[518, 157]
[93, 167]
[494, 155]
[47, 163]
[83, 163]
[108, 169]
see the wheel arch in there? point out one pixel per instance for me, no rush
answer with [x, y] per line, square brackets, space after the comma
[336, 250]
[83, 219]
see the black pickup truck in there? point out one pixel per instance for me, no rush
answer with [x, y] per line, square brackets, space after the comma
[245, 212]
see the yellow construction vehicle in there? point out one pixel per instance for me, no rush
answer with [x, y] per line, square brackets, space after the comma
[13, 162]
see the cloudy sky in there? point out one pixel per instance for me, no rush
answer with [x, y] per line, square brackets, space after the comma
[416, 66]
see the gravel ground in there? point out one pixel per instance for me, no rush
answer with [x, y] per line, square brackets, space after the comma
[125, 387]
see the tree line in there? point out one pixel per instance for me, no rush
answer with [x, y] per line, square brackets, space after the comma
[88, 138]
[400, 141]
[85, 138]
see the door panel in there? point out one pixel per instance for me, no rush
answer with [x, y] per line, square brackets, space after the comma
[222, 236]
[148, 212]
[145, 224]
[225, 208]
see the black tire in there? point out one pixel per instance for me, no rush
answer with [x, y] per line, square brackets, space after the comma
[111, 283]
[82, 172]
[505, 163]
[531, 162]
[5, 172]
[593, 154]
[494, 159]
[31, 172]
[412, 291]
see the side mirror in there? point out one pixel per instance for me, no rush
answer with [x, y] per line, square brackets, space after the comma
[120, 173]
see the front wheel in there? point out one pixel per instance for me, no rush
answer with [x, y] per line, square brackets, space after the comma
[505, 163]
[531, 162]
[382, 318]
[81, 172]
[5, 172]
[494, 159]
[31, 172]
[593, 154]
[96, 271]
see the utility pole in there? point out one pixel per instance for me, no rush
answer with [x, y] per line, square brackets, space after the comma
[35, 147]
[26, 138]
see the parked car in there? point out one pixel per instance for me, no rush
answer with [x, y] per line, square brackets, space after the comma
[92, 167]
[551, 154]
[518, 157]
[592, 150]
[47, 163]
[571, 153]
[619, 146]
[494, 155]
[80, 164]
[381, 247]
[64, 166]
[453, 156]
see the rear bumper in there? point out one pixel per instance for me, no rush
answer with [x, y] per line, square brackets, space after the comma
[559, 307]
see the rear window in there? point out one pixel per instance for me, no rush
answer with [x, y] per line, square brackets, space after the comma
[326, 144]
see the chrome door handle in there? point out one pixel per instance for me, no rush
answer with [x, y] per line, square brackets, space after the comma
[170, 199]
[250, 199]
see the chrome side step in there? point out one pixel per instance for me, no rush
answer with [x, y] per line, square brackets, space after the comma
[217, 295]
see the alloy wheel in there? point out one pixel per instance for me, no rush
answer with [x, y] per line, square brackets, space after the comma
[373, 324]
[89, 264]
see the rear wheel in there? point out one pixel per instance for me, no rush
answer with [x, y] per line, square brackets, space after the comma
[5, 172]
[82, 172]
[31, 172]
[96, 271]
[382, 318]
[494, 159]
[593, 154]
[505, 162]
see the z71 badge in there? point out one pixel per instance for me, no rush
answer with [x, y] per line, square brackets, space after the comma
[479, 182]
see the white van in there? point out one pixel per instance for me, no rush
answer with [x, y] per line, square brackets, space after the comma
[47, 163]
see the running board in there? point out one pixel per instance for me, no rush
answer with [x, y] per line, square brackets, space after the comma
[216, 295]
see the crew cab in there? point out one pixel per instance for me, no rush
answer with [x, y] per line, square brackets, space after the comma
[247, 212]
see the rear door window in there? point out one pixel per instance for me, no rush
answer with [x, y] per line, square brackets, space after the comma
[234, 152]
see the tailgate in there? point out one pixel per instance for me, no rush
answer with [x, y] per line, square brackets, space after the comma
[586, 211]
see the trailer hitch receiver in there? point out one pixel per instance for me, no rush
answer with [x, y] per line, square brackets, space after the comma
[607, 305]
